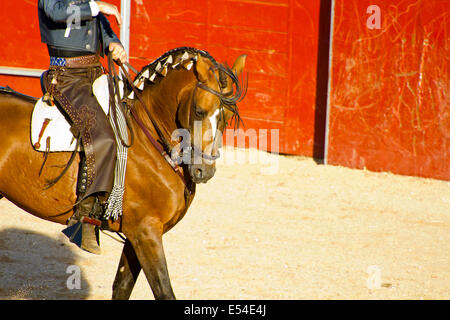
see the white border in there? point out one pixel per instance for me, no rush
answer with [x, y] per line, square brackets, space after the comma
[125, 11]
[330, 65]
[24, 72]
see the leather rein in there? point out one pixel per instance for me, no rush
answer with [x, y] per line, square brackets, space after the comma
[136, 117]
[166, 148]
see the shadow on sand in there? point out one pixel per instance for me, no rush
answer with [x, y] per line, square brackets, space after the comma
[34, 266]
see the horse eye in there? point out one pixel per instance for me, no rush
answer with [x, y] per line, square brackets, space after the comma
[200, 113]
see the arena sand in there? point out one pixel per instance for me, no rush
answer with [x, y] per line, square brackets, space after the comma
[265, 227]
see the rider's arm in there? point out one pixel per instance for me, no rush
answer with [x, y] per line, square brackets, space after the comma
[110, 40]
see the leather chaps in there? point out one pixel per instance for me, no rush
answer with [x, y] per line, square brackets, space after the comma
[72, 90]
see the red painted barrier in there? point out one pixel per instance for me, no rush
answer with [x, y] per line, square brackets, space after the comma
[20, 43]
[279, 36]
[389, 95]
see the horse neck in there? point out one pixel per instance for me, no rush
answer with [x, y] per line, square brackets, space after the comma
[162, 100]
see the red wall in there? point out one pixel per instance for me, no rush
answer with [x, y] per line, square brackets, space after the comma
[20, 43]
[389, 95]
[279, 36]
[389, 88]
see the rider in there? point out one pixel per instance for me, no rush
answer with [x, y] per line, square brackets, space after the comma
[77, 33]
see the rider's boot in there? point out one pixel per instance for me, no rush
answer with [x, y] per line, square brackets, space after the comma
[83, 225]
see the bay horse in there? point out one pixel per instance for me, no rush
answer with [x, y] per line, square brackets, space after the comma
[186, 87]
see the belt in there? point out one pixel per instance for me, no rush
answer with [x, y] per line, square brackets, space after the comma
[76, 62]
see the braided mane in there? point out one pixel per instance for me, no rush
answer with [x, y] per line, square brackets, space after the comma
[151, 67]
[175, 57]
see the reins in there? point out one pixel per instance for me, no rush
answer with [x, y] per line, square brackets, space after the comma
[139, 121]
[114, 89]
[228, 101]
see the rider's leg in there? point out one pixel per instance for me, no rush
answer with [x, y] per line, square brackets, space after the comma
[88, 207]
[73, 92]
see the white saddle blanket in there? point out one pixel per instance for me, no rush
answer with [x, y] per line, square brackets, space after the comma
[57, 131]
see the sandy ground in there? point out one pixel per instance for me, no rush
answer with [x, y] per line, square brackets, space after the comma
[264, 227]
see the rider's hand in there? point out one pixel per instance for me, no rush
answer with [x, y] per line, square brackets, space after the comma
[118, 52]
[109, 9]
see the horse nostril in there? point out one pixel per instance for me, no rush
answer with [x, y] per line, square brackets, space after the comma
[198, 173]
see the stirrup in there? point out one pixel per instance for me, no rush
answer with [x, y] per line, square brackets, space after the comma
[83, 229]
[85, 236]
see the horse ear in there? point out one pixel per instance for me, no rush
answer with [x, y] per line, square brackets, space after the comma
[202, 68]
[239, 64]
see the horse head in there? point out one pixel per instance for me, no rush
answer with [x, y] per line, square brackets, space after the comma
[212, 103]
[202, 96]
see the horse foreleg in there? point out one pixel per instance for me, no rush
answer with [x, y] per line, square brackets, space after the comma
[147, 242]
[127, 273]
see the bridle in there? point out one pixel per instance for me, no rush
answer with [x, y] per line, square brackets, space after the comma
[227, 100]
[193, 148]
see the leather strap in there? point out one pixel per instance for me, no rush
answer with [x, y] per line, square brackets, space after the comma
[92, 221]
[144, 129]
[83, 61]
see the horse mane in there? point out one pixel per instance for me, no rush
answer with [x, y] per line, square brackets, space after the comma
[151, 73]
[151, 67]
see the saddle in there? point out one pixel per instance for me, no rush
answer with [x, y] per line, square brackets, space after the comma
[50, 131]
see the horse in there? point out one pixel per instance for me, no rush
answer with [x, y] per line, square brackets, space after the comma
[184, 89]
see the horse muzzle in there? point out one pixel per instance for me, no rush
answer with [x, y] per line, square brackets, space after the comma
[201, 173]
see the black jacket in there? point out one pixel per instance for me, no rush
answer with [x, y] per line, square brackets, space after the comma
[86, 33]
